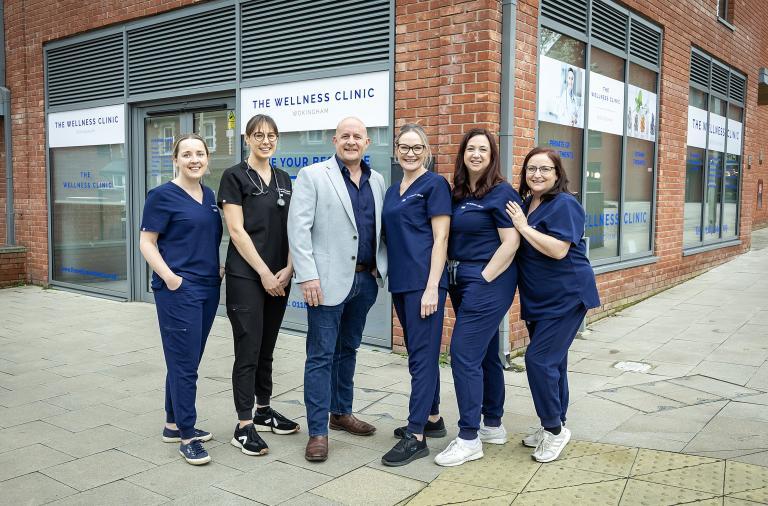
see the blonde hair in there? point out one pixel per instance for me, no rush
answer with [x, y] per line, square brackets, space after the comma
[418, 130]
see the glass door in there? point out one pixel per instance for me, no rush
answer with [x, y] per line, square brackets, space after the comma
[156, 130]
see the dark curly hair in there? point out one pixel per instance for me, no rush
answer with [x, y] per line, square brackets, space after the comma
[561, 185]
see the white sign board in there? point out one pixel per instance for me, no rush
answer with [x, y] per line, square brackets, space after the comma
[716, 132]
[697, 127]
[641, 113]
[606, 104]
[87, 127]
[319, 104]
[560, 93]
[735, 129]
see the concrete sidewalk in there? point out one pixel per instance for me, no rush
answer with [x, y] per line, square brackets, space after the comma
[81, 411]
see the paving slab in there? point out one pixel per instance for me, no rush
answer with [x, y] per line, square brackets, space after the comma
[369, 486]
[95, 470]
[274, 483]
[119, 492]
[29, 459]
[33, 489]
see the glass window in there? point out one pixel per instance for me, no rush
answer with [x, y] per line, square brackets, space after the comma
[561, 104]
[694, 198]
[713, 196]
[732, 172]
[602, 194]
[88, 216]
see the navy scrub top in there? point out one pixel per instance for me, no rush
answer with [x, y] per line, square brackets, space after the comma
[408, 230]
[474, 235]
[550, 287]
[189, 233]
[265, 222]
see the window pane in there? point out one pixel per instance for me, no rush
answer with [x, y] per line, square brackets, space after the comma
[602, 194]
[561, 47]
[642, 77]
[731, 195]
[88, 222]
[568, 142]
[638, 193]
[607, 64]
[693, 196]
[697, 98]
[717, 106]
[713, 196]
[160, 133]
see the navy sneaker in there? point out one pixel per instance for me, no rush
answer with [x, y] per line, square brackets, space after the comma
[249, 441]
[272, 421]
[194, 453]
[431, 429]
[174, 436]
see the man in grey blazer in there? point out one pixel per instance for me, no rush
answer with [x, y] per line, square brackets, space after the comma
[340, 261]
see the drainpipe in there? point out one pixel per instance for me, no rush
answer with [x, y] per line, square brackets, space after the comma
[507, 126]
[5, 112]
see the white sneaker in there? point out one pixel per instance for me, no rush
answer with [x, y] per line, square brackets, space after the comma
[492, 435]
[550, 446]
[533, 440]
[460, 451]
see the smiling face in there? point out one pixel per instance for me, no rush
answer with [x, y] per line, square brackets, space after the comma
[570, 79]
[477, 156]
[538, 182]
[410, 161]
[351, 141]
[262, 148]
[191, 159]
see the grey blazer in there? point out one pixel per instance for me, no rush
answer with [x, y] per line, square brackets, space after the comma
[322, 233]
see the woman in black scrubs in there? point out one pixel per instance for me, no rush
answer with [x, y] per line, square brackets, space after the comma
[254, 197]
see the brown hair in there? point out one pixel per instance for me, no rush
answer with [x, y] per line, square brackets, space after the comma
[184, 138]
[561, 185]
[259, 120]
[490, 178]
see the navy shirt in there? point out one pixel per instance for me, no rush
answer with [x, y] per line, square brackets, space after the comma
[408, 231]
[551, 287]
[364, 208]
[189, 233]
[474, 235]
[263, 219]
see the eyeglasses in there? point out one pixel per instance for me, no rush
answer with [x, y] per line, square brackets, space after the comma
[260, 136]
[417, 149]
[545, 171]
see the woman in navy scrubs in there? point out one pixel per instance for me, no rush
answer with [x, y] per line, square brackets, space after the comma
[557, 287]
[416, 218]
[180, 235]
[255, 198]
[481, 247]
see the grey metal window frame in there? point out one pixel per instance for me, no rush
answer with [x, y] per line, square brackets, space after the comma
[204, 93]
[620, 261]
[704, 246]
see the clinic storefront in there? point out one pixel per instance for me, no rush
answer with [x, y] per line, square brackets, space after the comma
[104, 158]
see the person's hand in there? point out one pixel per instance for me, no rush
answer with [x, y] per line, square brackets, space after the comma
[518, 216]
[284, 276]
[313, 294]
[271, 284]
[429, 301]
[221, 271]
[174, 282]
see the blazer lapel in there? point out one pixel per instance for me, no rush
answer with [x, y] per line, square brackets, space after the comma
[378, 191]
[337, 180]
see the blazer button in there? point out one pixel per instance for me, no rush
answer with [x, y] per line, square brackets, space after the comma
[354, 237]
[353, 258]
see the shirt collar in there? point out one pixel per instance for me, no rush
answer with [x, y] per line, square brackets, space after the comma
[345, 171]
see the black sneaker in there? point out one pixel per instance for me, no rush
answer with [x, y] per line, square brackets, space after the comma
[405, 451]
[431, 429]
[272, 421]
[249, 441]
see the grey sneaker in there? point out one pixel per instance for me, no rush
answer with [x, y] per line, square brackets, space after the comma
[492, 435]
[550, 446]
[533, 440]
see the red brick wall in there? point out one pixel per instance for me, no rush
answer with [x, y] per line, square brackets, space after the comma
[12, 266]
[456, 44]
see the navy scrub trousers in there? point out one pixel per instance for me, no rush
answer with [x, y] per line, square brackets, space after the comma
[554, 298]
[406, 221]
[189, 233]
[480, 306]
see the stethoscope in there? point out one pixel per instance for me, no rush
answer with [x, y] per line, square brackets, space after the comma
[263, 188]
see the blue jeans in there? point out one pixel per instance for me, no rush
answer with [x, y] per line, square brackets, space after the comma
[333, 337]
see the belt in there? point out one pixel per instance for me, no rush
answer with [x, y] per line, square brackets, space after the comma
[361, 268]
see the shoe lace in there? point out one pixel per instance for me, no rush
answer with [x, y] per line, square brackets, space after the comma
[195, 448]
[539, 434]
[545, 442]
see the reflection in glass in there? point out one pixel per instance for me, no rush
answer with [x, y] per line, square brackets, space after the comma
[731, 195]
[694, 180]
[638, 191]
[602, 194]
[88, 216]
[159, 135]
[561, 47]
[567, 141]
[713, 196]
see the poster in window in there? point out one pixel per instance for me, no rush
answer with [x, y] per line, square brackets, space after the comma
[697, 127]
[641, 114]
[734, 137]
[716, 132]
[560, 93]
[606, 104]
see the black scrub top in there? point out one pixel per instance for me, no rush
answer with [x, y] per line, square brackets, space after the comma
[263, 219]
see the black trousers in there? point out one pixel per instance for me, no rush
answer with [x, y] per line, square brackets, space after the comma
[256, 317]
